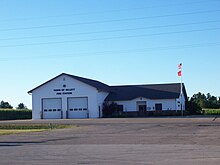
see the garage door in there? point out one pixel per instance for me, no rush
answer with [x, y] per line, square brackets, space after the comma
[77, 107]
[52, 108]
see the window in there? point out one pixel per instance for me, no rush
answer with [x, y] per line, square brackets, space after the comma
[84, 109]
[58, 109]
[158, 106]
[75, 109]
[54, 109]
[45, 110]
[71, 109]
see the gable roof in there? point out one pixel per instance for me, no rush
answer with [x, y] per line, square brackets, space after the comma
[130, 92]
[96, 84]
[153, 91]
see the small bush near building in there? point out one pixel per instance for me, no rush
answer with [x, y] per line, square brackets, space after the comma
[112, 109]
[11, 114]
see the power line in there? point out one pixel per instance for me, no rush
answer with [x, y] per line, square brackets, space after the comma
[109, 38]
[107, 11]
[71, 55]
[109, 31]
[108, 21]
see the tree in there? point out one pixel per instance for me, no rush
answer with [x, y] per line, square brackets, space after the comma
[21, 106]
[5, 105]
[199, 99]
[212, 102]
[192, 108]
[206, 101]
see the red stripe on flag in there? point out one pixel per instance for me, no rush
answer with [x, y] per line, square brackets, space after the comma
[180, 73]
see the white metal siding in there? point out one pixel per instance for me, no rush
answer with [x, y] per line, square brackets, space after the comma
[131, 105]
[81, 90]
[100, 99]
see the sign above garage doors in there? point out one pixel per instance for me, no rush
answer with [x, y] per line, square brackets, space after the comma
[64, 91]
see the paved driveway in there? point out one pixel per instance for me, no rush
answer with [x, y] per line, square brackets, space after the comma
[117, 141]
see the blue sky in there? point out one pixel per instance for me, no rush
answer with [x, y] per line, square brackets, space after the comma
[116, 42]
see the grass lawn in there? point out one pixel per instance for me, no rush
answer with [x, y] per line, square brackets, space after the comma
[6, 129]
[15, 131]
[211, 111]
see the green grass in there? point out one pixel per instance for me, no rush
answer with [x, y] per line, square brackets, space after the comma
[211, 111]
[16, 131]
[6, 129]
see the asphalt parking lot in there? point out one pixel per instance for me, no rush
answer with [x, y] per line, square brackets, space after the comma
[151, 141]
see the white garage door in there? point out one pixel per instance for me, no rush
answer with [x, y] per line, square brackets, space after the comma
[77, 107]
[52, 108]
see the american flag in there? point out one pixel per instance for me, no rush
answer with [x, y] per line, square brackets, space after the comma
[180, 66]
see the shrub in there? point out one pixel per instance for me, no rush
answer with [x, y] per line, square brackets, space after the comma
[111, 109]
[9, 114]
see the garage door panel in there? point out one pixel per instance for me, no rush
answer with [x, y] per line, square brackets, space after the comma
[77, 107]
[52, 108]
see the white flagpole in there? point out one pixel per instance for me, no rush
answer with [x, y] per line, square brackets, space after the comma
[181, 90]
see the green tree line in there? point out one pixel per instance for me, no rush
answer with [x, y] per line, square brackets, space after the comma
[6, 105]
[200, 101]
[206, 101]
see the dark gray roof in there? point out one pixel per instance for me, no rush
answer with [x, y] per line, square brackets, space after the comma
[129, 92]
[96, 84]
[155, 91]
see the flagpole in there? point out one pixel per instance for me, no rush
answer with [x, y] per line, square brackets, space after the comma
[181, 87]
[181, 90]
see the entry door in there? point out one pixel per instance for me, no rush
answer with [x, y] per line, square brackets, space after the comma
[142, 107]
[158, 107]
[51, 108]
[77, 107]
